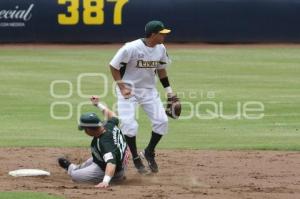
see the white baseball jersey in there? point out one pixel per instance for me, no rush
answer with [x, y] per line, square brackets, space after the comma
[138, 63]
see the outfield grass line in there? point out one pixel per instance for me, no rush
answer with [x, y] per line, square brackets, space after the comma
[280, 115]
[287, 96]
[280, 102]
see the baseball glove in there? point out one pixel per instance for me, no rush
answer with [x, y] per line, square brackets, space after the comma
[173, 108]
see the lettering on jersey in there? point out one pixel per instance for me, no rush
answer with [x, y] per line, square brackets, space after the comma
[116, 133]
[119, 141]
[147, 64]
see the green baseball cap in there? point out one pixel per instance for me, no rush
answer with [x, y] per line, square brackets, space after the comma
[89, 120]
[156, 27]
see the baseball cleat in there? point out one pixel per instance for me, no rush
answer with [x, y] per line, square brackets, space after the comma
[64, 163]
[150, 157]
[140, 166]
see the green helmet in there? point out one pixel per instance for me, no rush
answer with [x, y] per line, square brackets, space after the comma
[89, 120]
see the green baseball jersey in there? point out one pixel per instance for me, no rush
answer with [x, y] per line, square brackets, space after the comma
[110, 146]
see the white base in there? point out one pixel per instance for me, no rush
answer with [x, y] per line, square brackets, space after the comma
[28, 172]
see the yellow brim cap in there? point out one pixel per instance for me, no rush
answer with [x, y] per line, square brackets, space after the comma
[165, 31]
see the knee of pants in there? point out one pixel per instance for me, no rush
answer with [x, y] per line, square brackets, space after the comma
[84, 179]
[161, 126]
[91, 174]
[129, 127]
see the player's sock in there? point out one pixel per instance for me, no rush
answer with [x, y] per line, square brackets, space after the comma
[131, 141]
[155, 138]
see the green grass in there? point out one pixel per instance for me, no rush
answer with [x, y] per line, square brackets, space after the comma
[225, 76]
[27, 195]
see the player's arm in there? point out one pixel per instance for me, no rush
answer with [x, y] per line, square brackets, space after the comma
[106, 111]
[110, 159]
[109, 173]
[122, 56]
[163, 77]
[117, 77]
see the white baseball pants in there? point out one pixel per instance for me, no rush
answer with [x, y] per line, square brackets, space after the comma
[150, 102]
[90, 172]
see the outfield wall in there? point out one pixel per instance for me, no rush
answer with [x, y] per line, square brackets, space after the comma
[121, 20]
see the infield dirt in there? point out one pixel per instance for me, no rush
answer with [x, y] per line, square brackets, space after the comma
[183, 174]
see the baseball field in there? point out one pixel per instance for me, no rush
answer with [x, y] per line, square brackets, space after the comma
[238, 137]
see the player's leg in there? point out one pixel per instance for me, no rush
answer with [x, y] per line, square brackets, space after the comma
[88, 172]
[153, 107]
[65, 163]
[129, 127]
[82, 165]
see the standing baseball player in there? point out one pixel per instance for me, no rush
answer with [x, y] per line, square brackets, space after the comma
[134, 68]
[109, 150]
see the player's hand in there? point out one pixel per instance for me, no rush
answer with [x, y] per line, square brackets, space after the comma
[126, 92]
[173, 108]
[94, 100]
[102, 185]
